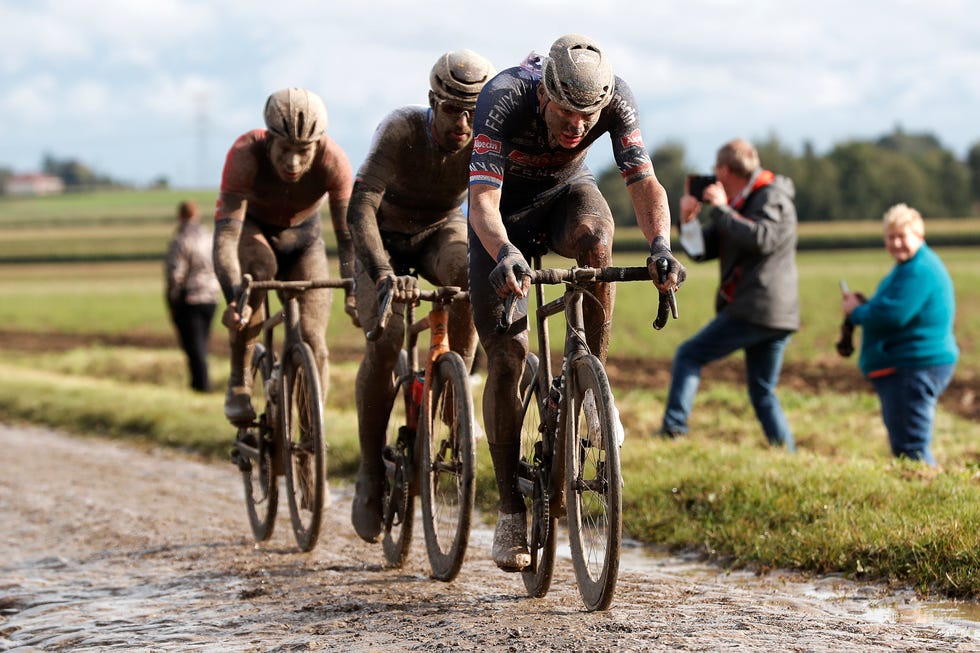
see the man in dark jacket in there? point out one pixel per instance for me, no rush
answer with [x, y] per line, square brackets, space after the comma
[752, 233]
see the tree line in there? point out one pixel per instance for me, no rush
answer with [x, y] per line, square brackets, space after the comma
[856, 180]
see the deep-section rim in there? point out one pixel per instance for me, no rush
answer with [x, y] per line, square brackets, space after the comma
[263, 525]
[537, 578]
[300, 360]
[396, 546]
[446, 552]
[596, 580]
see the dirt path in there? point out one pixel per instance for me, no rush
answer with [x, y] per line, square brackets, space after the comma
[112, 547]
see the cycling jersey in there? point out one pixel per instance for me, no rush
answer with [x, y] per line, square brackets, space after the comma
[419, 181]
[249, 174]
[511, 139]
[407, 186]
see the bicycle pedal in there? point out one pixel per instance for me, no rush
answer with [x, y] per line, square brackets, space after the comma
[240, 461]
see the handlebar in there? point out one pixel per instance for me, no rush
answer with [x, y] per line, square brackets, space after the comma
[441, 295]
[249, 284]
[610, 274]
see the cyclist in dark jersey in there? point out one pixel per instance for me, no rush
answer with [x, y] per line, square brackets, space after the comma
[531, 192]
[267, 224]
[405, 215]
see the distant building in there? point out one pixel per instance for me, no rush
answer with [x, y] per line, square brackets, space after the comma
[34, 184]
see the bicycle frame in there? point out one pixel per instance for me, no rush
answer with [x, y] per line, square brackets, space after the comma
[417, 455]
[554, 480]
[291, 375]
[437, 323]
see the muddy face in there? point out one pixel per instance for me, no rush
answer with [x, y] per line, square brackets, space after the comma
[290, 159]
[452, 125]
[566, 127]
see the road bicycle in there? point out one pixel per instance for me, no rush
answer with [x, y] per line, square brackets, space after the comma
[430, 449]
[286, 437]
[569, 442]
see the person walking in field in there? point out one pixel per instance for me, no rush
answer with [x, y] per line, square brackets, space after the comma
[192, 290]
[274, 184]
[405, 217]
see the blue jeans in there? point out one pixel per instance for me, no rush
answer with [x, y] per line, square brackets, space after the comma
[722, 336]
[908, 407]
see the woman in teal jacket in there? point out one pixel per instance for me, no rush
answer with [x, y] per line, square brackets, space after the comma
[908, 350]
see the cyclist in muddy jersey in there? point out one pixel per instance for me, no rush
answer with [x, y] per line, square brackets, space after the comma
[531, 192]
[405, 216]
[267, 224]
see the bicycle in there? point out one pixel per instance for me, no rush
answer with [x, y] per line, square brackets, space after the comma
[569, 447]
[430, 449]
[286, 437]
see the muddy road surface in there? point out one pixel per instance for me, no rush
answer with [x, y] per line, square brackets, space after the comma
[111, 547]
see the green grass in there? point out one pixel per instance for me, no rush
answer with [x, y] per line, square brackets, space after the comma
[128, 298]
[100, 208]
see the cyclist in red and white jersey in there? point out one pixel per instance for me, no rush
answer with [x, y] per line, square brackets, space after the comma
[267, 224]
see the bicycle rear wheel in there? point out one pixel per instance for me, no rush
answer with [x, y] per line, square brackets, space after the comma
[594, 483]
[447, 465]
[535, 470]
[254, 449]
[398, 504]
[303, 444]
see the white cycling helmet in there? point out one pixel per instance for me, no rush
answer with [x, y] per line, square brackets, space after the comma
[577, 75]
[459, 76]
[296, 114]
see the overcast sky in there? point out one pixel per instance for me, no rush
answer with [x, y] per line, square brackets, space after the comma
[139, 89]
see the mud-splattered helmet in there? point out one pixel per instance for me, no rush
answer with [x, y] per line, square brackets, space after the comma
[459, 76]
[296, 114]
[577, 75]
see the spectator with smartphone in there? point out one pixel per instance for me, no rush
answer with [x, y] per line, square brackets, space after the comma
[908, 350]
[752, 233]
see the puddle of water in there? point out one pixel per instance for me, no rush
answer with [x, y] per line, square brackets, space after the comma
[872, 602]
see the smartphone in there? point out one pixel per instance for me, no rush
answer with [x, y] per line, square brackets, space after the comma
[843, 286]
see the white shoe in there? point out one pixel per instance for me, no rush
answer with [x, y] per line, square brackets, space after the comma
[595, 428]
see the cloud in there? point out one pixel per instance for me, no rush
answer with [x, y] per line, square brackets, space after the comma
[141, 85]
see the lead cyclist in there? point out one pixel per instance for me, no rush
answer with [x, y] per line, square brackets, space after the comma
[531, 192]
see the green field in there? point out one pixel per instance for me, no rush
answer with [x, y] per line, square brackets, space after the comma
[841, 504]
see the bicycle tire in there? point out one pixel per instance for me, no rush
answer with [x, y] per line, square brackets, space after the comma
[593, 483]
[304, 448]
[447, 465]
[542, 525]
[398, 502]
[260, 479]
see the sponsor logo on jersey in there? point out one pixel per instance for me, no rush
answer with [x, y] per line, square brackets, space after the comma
[483, 144]
[545, 159]
[633, 139]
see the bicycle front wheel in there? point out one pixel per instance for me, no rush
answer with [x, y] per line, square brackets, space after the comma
[593, 483]
[447, 462]
[535, 472]
[398, 504]
[254, 453]
[303, 444]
